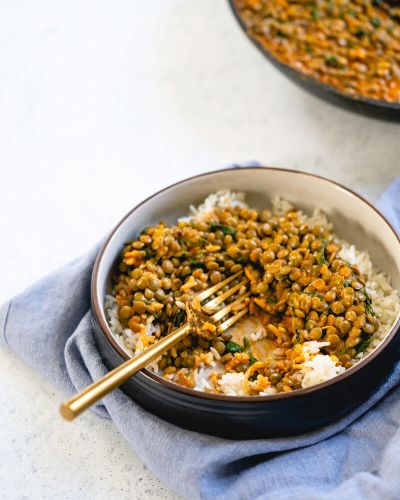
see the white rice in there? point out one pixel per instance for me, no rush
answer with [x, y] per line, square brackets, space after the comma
[232, 384]
[220, 199]
[317, 367]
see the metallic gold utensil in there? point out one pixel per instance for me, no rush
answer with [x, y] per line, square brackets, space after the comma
[202, 320]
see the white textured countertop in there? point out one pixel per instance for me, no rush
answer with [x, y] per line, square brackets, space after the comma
[101, 104]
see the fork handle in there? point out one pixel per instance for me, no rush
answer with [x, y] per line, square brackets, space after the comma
[81, 401]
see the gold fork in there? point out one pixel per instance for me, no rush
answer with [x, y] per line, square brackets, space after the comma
[199, 319]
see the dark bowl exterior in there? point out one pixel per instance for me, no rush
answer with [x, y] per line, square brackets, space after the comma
[372, 107]
[258, 419]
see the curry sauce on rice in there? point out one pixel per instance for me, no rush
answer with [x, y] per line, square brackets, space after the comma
[316, 306]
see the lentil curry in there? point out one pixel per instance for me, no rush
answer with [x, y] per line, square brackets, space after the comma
[353, 46]
[306, 303]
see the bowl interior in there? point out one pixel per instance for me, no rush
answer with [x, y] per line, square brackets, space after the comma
[354, 219]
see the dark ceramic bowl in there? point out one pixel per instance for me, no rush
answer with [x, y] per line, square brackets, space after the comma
[258, 416]
[373, 107]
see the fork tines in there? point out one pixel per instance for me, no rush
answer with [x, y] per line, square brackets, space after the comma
[238, 307]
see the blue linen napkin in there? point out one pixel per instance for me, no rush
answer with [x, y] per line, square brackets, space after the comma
[357, 457]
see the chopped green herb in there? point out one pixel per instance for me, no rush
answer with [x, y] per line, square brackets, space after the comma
[183, 243]
[368, 303]
[271, 300]
[195, 263]
[233, 347]
[150, 254]
[365, 341]
[333, 62]
[298, 336]
[223, 228]
[252, 358]
[246, 348]
[308, 48]
[315, 14]
[369, 309]
[375, 22]
[346, 283]
[321, 256]
[360, 32]
[179, 317]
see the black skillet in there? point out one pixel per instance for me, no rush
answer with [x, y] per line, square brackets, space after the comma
[372, 107]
